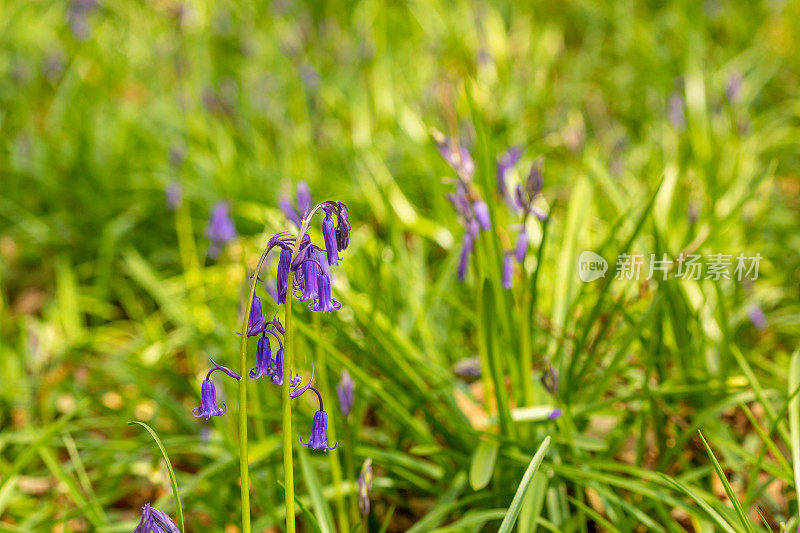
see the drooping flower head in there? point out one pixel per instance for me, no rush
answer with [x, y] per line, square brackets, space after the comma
[283, 273]
[329, 235]
[264, 360]
[345, 392]
[319, 429]
[208, 395]
[324, 301]
[256, 318]
[342, 228]
[155, 521]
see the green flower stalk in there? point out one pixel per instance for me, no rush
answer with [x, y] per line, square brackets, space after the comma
[303, 272]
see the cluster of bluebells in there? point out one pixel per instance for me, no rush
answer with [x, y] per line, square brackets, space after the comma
[473, 212]
[311, 283]
[522, 204]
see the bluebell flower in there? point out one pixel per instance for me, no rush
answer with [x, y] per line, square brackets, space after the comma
[342, 228]
[521, 249]
[308, 280]
[256, 318]
[155, 521]
[508, 270]
[319, 429]
[504, 163]
[458, 158]
[220, 228]
[264, 360]
[733, 87]
[324, 301]
[329, 234]
[303, 198]
[467, 245]
[675, 112]
[365, 486]
[208, 395]
[277, 370]
[535, 181]
[176, 156]
[481, 211]
[345, 392]
[460, 201]
[283, 273]
[549, 380]
[174, 196]
[757, 317]
[288, 209]
[555, 414]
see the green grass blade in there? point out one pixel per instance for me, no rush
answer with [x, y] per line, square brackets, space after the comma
[175, 494]
[516, 504]
[314, 486]
[714, 515]
[480, 471]
[794, 415]
[734, 500]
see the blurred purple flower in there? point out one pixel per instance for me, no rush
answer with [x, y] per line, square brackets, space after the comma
[303, 198]
[733, 88]
[505, 162]
[555, 414]
[365, 486]
[481, 211]
[757, 317]
[346, 393]
[467, 246]
[288, 209]
[549, 380]
[508, 270]
[675, 112]
[78, 18]
[220, 227]
[174, 194]
[458, 158]
[521, 249]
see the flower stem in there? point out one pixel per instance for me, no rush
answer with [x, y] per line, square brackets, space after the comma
[243, 457]
[244, 466]
[288, 364]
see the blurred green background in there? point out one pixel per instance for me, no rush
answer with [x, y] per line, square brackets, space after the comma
[663, 127]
